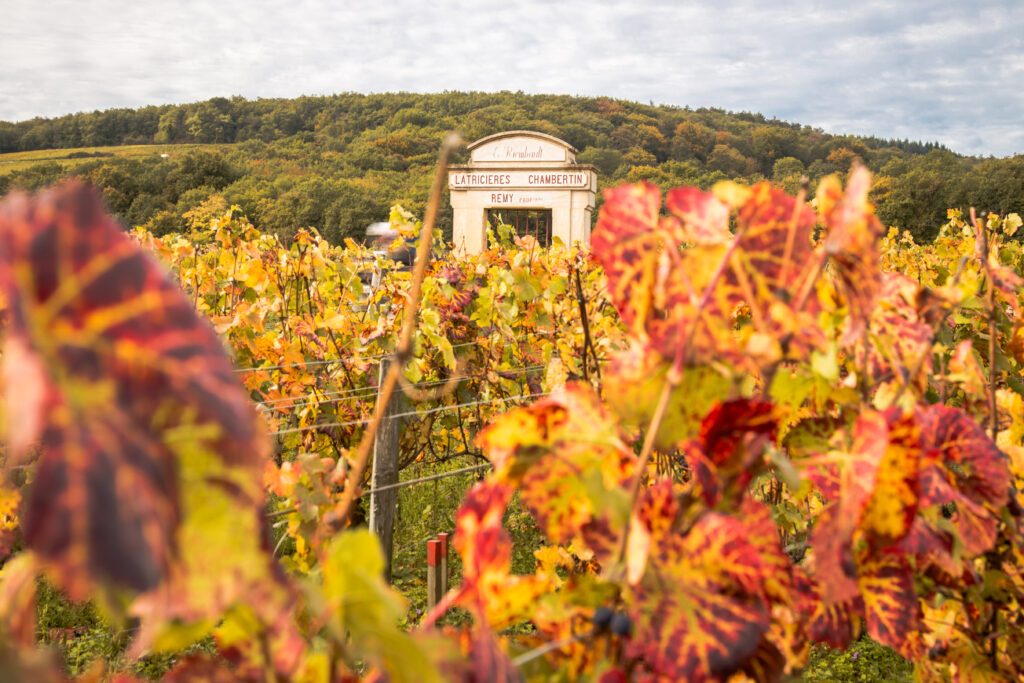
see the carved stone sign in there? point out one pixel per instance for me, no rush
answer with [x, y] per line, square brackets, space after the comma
[519, 149]
[517, 172]
[539, 178]
[518, 198]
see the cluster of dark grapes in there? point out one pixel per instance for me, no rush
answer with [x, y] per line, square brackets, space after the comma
[617, 622]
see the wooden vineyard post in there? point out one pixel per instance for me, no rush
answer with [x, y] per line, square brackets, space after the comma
[384, 504]
[443, 539]
[433, 573]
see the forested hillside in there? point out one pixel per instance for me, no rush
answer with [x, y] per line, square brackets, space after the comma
[339, 162]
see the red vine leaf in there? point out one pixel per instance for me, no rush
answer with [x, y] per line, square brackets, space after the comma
[652, 521]
[775, 233]
[893, 503]
[481, 539]
[900, 333]
[851, 242]
[114, 374]
[682, 301]
[834, 623]
[736, 432]
[966, 475]
[703, 219]
[729, 451]
[572, 485]
[835, 566]
[779, 583]
[489, 590]
[659, 288]
[891, 608]
[981, 472]
[701, 613]
[628, 243]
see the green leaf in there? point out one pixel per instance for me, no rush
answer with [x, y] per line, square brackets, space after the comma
[366, 610]
[634, 382]
[1012, 223]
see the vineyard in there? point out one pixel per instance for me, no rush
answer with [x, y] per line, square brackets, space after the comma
[741, 424]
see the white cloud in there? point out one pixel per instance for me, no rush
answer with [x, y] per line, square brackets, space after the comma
[923, 69]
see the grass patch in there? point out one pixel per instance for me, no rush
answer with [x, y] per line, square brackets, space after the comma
[865, 660]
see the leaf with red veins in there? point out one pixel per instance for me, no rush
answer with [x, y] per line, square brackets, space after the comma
[981, 472]
[729, 451]
[489, 590]
[876, 501]
[518, 438]
[835, 567]
[767, 665]
[771, 269]
[877, 477]
[932, 549]
[859, 542]
[891, 607]
[119, 372]
[775, 234]
[627, 242]
[700, 612]
[703, 219]
[565, 456]
[899, 333]
[658, 288]
[764, 536]
[481, 539]
[652, 520]
[894, 498]
[975, 525]
[834, 623]
[858, 468]
[682, 300]
[967, 472]
[851, 241]
[726, 431]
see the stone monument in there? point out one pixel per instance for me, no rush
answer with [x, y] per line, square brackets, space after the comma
[524, 179]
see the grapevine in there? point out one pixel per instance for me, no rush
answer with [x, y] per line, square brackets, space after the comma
[744, 422]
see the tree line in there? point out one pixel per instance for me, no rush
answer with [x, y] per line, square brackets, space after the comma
[338, 162]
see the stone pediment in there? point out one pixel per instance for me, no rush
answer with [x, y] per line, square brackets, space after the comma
[521, 147]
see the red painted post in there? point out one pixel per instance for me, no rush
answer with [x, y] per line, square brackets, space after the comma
[443, 538]
[433, 573]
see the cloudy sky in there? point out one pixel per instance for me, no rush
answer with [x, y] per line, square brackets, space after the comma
[945, 70]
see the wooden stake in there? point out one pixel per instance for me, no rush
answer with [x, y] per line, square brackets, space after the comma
[384, 503]
[433, 573]
[443, 539]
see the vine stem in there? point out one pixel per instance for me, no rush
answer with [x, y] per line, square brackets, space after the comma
[542, 650]
[588, 342]
[787, 255]
[990, 305]
[337, 518]
[443, 605]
